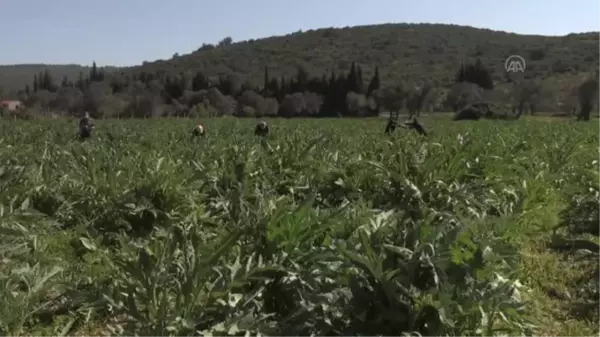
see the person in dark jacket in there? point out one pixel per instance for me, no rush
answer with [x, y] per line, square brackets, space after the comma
[261, 129]
[412, 125]
[198, 131]
[391, 124]
[86, 126]
[416, 126]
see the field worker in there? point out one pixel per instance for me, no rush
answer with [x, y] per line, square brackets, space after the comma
[261, 129]
[86, 125]
[391, 124]
[198, 131]
[415, 125]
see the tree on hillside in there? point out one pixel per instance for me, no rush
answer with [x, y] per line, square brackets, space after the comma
[68, 100]
[65, 82]
[250, 104]
[307, 95]
[230, 84]
[391, 99]
[96, 74]
[375, 83]
[200, 81]
[359, 79]
[588, 96]
[266, 79]
[47, 82]
[353, 81]
[270, 85]
[80, 83]
[526, 94]
[93, 98]
[463, 94]
[475, 73]
[569, 102]
[470, 82]
[418, 99]
[357, 104]
[225, 42]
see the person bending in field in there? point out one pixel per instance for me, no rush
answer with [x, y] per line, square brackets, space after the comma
[416, 126]
[412, 125]
[86, 125]
[261, 129]
[391, 125]
[198, 131]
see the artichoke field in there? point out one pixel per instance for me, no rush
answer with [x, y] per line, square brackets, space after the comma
[327, 227]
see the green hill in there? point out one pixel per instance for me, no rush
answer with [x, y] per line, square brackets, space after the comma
[404, 53]
[409, 52]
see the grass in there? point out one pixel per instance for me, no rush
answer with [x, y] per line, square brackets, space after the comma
[327, 227]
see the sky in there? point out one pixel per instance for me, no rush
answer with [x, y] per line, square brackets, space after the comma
[128, 32]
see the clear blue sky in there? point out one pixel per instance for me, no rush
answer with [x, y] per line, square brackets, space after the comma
[127, 32]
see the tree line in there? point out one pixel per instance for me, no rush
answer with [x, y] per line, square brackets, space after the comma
[148, 93]
[195, 94]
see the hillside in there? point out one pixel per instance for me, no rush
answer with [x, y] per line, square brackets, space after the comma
[409, 52]
[312, 74]
[16, 77]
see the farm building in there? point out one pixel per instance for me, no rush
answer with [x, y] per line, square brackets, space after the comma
[11, 105]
